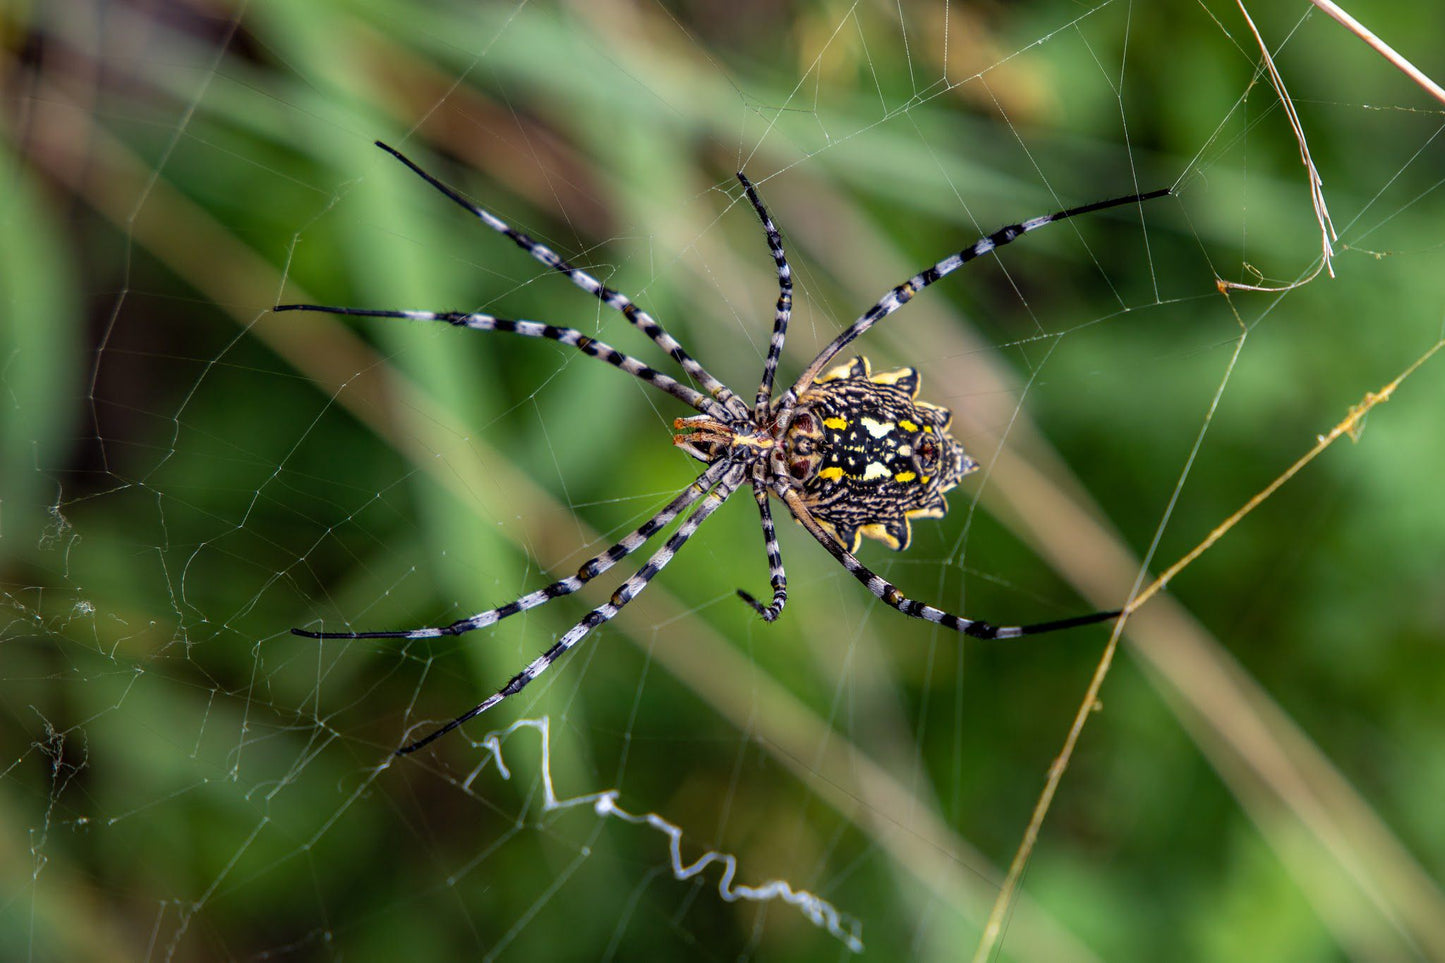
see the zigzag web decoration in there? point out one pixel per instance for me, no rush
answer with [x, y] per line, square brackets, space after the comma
[818, 910]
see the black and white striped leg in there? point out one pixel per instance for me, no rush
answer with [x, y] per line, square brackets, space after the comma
[533, 329]
[889, 593]
[612, 298]
[776, 575]
[784, 307]
[589, 570]
[603, 613]
[904, 292]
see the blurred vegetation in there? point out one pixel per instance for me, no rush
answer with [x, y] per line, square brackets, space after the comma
[187, 475]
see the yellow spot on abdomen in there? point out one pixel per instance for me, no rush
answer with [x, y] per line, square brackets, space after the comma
[904, 477]
[837, 424]
[831, 474]
[907, 425]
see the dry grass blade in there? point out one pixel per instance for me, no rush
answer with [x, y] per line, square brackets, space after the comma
[1384, 49]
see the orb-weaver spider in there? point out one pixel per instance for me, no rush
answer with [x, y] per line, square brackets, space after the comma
[850, 452]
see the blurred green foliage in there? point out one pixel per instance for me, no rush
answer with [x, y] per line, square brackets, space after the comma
[187, 475]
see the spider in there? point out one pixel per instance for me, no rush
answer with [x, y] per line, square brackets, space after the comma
[851, 452]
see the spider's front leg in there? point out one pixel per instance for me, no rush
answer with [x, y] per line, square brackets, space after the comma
[784, 308]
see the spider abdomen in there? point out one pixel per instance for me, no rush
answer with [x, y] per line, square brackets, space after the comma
[869, 456]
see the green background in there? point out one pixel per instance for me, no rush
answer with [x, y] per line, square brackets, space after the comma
[187, 475]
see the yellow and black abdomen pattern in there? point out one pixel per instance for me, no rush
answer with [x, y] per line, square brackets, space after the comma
[869, 456]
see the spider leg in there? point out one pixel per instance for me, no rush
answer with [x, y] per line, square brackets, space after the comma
[603, 613]
[904, 292]
[533, 329]
[776, 575]
[613, 299]
[589, 570]
[781, 315]
[889, 593]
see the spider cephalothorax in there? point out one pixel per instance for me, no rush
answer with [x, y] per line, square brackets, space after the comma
[850, 453]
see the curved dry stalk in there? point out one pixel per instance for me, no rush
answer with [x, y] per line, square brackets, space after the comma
[1317, 193]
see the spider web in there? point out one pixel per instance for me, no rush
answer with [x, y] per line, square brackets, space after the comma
[187, 475]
